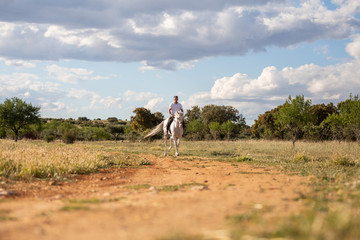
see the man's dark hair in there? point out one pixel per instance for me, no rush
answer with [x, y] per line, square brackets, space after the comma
[176, 97]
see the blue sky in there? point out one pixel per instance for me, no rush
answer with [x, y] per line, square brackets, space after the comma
[104, 58]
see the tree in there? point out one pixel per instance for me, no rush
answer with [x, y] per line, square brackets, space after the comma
[69, 132]
[130, 134]
[350, 115]
[50, 130]
[193, 113]
[196, 129]
[158, 117]
[2, 132]
[315, 130]
[112, 119]
[266, 125]
[213, 113]
[83, 119]
[115, 130]
[215, 128]
[294, 115]
[322, 111]
[95, 134]
[228, 127]
[335, 123]
[16, 114]
[144, 119]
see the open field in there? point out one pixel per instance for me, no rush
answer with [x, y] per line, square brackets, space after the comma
[214, 190]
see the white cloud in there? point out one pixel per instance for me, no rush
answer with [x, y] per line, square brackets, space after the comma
[271, 88]
[167, 34]
[53, 106]
[168, 64]
[52, 97]
[353, 48]
[240, 85]
[152, 103]
[200, 98]
[81, 37]
[138, 96]
[97, 101]
[71, 75]
[152, 99]
[168, 26]
[80, 94]
[26, 84]
[111, 102]
[18, 63]
[314, 81]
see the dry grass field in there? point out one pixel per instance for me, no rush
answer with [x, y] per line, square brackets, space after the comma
[213, 190]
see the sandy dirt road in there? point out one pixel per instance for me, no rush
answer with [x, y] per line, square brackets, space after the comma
[172, 195]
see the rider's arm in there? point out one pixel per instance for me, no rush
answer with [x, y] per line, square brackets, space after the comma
[170, 111]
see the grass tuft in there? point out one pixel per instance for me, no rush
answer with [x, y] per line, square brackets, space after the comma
[31, 159]
[344, 161]
[72, 207]
[181, 236]
[4, 216]
[138, 186]
[244, 159]
[301, 157]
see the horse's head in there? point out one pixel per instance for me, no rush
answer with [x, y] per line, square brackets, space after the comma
[179, 115]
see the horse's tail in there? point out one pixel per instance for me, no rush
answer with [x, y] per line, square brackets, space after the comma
[156, 130]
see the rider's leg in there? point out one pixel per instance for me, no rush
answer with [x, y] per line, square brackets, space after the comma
[169, 123]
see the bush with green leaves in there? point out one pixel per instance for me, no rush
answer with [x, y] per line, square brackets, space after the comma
[16, 114]
[130, 134]
[294, 115]
[228, 128]
[94, 134]
[48, 135]
[116, 130]
[69, 136]
[195, 130]
[215, 129]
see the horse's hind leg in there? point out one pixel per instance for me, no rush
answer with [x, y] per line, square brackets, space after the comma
[165, 142]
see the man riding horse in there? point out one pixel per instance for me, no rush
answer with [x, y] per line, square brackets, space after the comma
[175, 124]
[173, 108]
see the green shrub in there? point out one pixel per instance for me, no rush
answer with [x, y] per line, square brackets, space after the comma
[244, 159]
[9, 168]
[301, 157]
[343, 160]
[48, 135]
[69, 136]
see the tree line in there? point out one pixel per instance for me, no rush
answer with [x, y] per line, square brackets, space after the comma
[296, 119]
[19, 119]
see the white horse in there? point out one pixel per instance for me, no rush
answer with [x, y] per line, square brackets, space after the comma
[176, 131]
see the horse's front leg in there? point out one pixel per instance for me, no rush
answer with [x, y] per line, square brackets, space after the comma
[178, 142]
[176, 147]
[171, 138]
[165, 143]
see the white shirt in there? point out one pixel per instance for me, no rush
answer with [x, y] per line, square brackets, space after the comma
[175, 107]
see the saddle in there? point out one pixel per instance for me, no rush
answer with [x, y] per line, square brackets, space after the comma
[171, 119]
